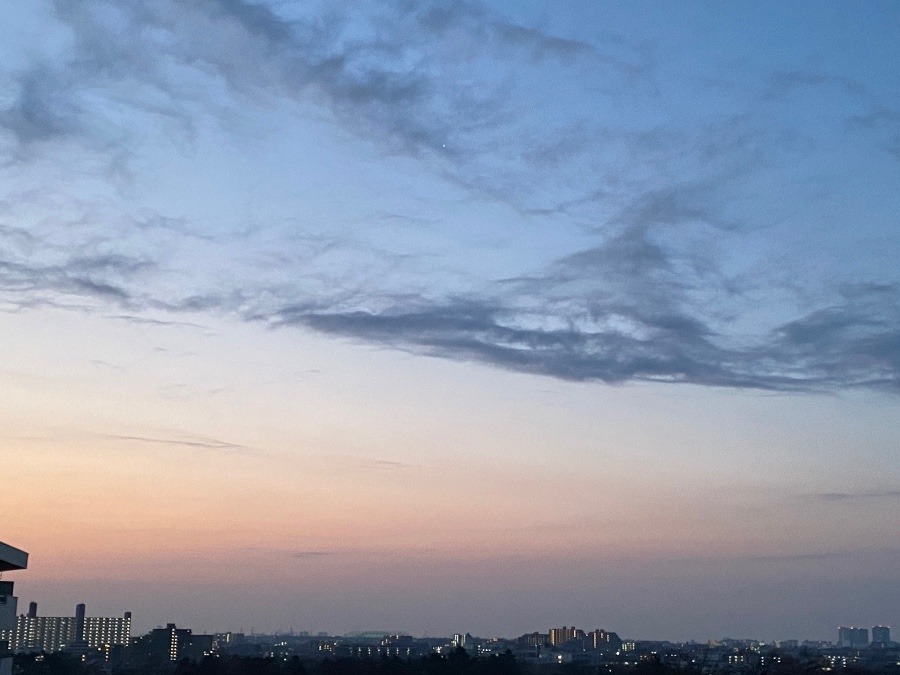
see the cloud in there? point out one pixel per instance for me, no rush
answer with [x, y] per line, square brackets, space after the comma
[41, 111]
[149, 321]
[427, 79]
[855, 341]
[327, 552]
[100, 277]
[612, 332]
[643, 290]
[445, 19]
[198, 443]
[300, 553]
[811, 556]
[387, 464]
[855, 497]
[468, 331]
[782, 83]
[884, 122]
[880, 117]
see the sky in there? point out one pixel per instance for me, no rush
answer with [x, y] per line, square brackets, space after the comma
[453, 316]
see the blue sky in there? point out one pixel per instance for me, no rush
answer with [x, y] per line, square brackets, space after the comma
[652, 212]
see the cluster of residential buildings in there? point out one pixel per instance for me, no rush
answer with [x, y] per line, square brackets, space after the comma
[603, 651]
[858, 638]
[107, 639]
[752, 656]
[33, 633]
[557, 645]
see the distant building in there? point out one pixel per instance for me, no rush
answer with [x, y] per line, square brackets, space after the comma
[881, 635]
[575, 638]
[844, 636]
[603, 640]
[161, 645]
[534, 639]
[852, 637]
[170, 644]
[79, 623]
[224, 641]
[559, 636]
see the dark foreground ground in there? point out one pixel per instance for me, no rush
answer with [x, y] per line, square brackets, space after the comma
[458, 663]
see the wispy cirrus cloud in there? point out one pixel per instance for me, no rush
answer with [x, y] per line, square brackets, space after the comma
[883, 121]
[671, 348]
[646, 218]
[855, 497]
[787, 81]
[190, 442]
[343, 552]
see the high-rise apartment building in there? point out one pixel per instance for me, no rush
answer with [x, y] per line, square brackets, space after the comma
[852, 637]
[844, 636]
[35, 633]
[881, 635]
[555, 636]
[100, 631]
[558, 636]
[44, 633]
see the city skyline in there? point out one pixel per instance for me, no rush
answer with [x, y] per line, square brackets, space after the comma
[435, 315]
[121, 624]
[70, 629]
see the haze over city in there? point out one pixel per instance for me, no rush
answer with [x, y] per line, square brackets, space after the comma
[453, 316]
